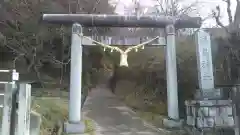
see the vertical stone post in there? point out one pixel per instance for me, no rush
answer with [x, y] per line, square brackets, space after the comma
[172, 86]
[205, 68]
[75, 125]
[76, 75]
[204, 60]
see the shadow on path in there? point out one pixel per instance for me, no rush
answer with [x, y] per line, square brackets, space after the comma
[112, 117]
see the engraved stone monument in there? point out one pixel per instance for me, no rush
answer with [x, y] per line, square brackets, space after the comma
[204, 60]
[209, 111]
[205, 68]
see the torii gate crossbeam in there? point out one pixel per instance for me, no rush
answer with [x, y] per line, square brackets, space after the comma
[102, 20]
[110, 20]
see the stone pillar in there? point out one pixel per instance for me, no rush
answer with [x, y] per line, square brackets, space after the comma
[204, 60]
[75, 125]
[172, 86]
[205, 68]
[171, 64]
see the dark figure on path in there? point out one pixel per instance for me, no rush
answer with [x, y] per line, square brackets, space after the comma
[113, 79]
[83, 98]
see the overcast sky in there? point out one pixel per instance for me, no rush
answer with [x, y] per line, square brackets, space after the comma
[205, 8]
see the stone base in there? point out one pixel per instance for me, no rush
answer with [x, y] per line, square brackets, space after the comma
[170, 123]
[212, 94]
[204, 114]
[74, 128]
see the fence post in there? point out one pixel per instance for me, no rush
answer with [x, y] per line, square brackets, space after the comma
[24, 109]
[7, 107]
[236, 108]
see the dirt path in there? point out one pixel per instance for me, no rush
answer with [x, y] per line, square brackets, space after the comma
[112, 117]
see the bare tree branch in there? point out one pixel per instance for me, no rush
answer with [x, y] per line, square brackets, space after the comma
[15, 59]
[186, 10]
[95, 5]
[216, 15]
[229, 11]
[173, 8]
[160, 3]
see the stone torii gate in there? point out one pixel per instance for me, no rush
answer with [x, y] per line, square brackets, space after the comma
[170, 24]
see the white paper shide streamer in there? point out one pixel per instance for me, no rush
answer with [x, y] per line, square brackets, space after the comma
[123, 59]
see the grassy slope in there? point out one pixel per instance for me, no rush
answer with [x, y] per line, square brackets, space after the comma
[53, 112]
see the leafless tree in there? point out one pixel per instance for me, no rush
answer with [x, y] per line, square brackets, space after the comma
[41, 46]
[174, 8]
[231, 42]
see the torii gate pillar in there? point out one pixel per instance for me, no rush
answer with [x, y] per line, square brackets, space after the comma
[173, 119]
[74, 124]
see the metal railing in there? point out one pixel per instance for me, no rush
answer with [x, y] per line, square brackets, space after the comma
[14, 76]
[17, 102]
[9, 108]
